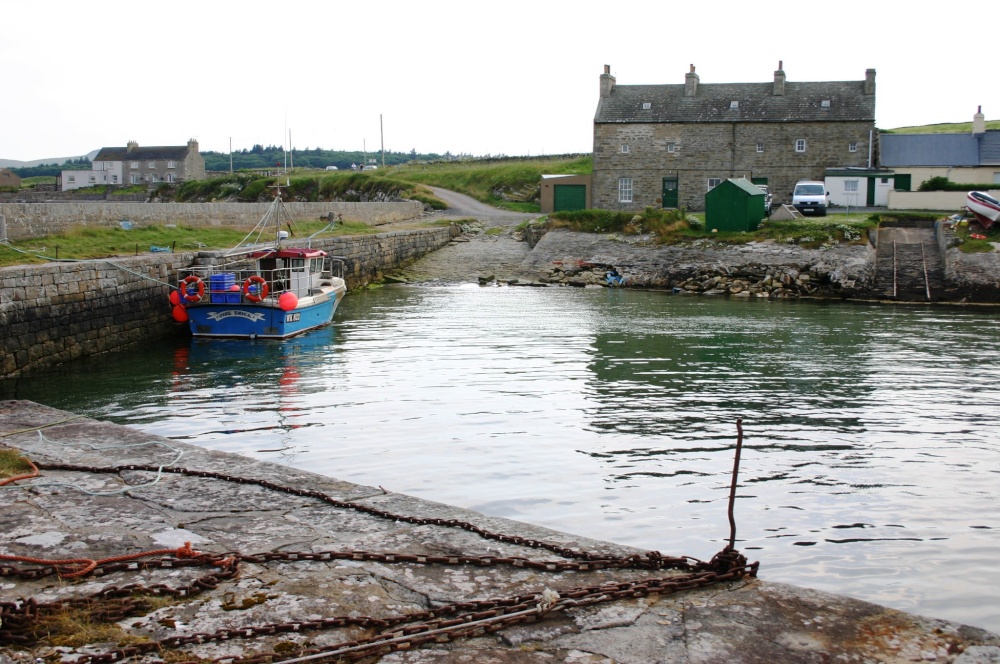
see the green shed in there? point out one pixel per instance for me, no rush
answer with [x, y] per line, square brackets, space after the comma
[735, 204]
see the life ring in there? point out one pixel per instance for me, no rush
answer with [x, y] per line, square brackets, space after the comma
[185, 288]
[261, 288]
[977, 236]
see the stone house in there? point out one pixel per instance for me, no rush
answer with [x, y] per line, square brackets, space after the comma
[970, 158]
[9, 179]
[132, 164]
[668, 145]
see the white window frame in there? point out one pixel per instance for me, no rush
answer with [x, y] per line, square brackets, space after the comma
[760, 147]
[624, 148]
[712, 183]
[133, 164]
[152, 164]
[92, 178]
[852, 146]
[800, 145]
[114, 179]
[850, 186]
[170, 177]
[624, 190]
[72, 178]
[646, 105]
[135, 178]
[171, 164]
[671, 147]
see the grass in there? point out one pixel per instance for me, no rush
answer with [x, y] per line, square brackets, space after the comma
[511, 184]
[12, 463]
[83, 243]
[679, 227]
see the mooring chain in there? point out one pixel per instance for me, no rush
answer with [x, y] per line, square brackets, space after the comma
[396, 633]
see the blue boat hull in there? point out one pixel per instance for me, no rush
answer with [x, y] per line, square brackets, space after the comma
[259, 321]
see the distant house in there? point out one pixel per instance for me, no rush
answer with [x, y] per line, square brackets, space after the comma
[972, 158]
[9, 178]
[668, 145]
[132, 164]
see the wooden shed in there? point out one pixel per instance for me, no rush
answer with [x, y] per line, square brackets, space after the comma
[734, 205]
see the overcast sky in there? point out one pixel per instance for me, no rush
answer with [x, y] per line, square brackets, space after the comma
[512, 77]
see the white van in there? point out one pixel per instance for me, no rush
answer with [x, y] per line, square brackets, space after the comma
[811, 196]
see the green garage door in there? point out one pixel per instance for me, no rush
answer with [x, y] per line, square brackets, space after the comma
[570, 197]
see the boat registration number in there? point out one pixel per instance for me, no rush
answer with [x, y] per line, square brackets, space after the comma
[293, 317]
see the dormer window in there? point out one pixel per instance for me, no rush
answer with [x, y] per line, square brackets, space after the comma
[825, 103]
[734, 106]
[646, 105]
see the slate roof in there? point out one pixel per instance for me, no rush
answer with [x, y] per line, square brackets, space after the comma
[802, 102]
[907, 150]
[152, 153]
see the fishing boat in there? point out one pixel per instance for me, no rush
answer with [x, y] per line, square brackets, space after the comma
[261, 289]
[984, 208]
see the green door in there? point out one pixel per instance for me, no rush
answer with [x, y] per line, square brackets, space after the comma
[902, 182]
[670, 193]
[871, 192]
[570, 197]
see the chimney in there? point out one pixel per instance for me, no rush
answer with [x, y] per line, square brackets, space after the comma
[193, 144]
[979, 122]
[131, 146]
[691, 83]
[607, 82]
[869, 81]
[779, 81]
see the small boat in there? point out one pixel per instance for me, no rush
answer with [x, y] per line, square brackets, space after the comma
[984, 207]
[261, 290]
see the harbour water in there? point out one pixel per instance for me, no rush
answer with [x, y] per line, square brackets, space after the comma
[871, 463]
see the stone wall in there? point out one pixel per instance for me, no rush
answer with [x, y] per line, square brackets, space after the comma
[27, 220]
[58, 312]
[695, 152]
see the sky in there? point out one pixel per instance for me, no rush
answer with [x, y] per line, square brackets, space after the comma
[435, 76]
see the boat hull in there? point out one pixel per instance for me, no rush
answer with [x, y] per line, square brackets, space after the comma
[985, 208]
[248, 320]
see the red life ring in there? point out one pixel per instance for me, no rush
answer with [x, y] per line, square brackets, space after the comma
[185, 288]
[977, 236]
[261, 288]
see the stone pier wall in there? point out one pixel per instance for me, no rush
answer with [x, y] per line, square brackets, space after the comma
[58, 312]
[27, 220]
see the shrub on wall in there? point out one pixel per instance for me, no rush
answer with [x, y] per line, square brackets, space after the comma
[941, 183]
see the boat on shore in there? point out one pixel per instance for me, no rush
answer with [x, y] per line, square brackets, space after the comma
[983, 207]
[261, 290]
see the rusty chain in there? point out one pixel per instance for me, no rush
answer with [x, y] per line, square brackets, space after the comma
[443, 624]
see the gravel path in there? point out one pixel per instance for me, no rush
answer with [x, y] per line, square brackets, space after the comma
[488, 248]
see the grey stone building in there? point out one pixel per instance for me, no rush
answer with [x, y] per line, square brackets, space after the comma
[133, 164]
[668, 145]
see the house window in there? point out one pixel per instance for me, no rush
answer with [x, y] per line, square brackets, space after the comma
[713, 183]
[114, 179]
[825, 103]
[851, 186]
[671, 147]
[760, 147]
[171, 164]
[72, 178]
[133, 164]
[135, 178]
[852, 147]
[624, 190]
[800, 145]
[152, 164]
[646, 105]
[883, 180]
[170, 177]
[92, 178]
[624, 148]
[734, 106]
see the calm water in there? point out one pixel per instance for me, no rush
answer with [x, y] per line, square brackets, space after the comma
[872, 458]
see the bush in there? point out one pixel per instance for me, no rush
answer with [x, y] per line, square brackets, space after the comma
[941, 183]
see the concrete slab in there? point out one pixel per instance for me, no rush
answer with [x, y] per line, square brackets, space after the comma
[315, 594]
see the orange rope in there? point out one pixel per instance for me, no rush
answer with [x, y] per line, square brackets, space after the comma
[28, 476]
[88, 564]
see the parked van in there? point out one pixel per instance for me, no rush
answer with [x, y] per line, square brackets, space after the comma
[811, 196]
